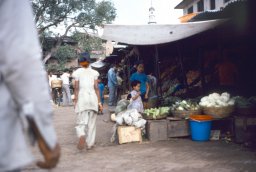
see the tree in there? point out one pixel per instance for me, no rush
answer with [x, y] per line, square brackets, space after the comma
[64, 54]
[86, 42]
[85, 14]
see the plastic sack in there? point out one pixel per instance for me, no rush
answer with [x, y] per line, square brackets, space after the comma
[121, 106]
[128, 119]
[119, 120]
[140, 123]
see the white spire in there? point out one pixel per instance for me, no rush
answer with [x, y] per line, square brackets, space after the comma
[152, 19]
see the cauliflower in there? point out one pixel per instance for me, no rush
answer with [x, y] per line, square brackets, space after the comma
[214, 96]
[225, 97]
[217, 100]
[204, 99]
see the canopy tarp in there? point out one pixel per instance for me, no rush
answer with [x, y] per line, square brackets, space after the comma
[152, 34]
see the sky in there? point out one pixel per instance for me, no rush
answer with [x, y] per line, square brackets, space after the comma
[137, 11]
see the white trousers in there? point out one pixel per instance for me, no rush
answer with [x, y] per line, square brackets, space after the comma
[66, 95]
[86, 126]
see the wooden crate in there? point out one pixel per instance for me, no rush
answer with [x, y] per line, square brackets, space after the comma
[244, 127]
[177, 127]
[127, 134]
[156, 130]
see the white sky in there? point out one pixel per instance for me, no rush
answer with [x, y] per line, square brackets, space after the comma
[137, 11]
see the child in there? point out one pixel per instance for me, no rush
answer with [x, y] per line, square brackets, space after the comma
[136, 101]
[101, 89]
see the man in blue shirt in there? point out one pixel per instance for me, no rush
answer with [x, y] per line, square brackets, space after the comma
[142, 77]
[112, 86]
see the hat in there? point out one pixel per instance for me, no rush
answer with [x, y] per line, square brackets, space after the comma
[84, 57]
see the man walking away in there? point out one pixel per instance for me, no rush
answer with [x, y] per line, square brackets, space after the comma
[65, 87]
[112, 85]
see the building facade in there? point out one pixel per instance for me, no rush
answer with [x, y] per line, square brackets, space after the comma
[195, 6]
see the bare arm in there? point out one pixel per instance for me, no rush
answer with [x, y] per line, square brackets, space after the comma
[97, 91]
[76, 91]
[147, 90]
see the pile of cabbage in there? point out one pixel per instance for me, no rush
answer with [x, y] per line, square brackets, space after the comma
[156, 112]
[185, 105]
[217, 100]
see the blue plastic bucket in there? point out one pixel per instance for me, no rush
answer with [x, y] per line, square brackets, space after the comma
[200, 129]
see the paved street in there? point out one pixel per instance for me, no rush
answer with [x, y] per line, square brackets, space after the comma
[174, 155]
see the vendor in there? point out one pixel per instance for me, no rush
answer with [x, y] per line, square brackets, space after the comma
[227, 74]
[142, 77]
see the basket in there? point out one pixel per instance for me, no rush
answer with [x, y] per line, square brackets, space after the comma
[163, 116]
[219, 112]
[56, 83]
[185, 113]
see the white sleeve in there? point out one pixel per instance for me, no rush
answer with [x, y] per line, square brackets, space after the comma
[133, 93]
[96, 75]
[75, 75]
[22, 68]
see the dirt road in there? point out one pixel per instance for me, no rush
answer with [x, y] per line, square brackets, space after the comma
[174, 155]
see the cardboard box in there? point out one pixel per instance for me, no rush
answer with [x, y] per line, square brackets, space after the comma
[127, 134]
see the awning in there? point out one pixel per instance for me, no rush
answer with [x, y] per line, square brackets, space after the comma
[187, 17]
[98, 64]
[155, 33]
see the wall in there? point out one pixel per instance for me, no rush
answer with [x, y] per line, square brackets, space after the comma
[218, 4]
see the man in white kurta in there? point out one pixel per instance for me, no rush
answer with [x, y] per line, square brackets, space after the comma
[23, 86]
[86, 105]
[65, 88]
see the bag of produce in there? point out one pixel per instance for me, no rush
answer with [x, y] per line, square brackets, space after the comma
[140, 123]
[121, 106]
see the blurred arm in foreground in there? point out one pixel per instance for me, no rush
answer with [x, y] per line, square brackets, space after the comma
[25, 100]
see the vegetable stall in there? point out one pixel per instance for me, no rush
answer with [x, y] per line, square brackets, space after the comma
[188, 82]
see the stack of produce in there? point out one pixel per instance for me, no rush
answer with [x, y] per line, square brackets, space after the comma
[219, 106]
[217, 100]
[184, 108]
[156, 113]
[245, 106]
[130, 117]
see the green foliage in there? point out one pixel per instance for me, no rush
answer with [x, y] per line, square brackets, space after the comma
[55, 67]
[86, 42]
[65, 53]
[62, 55]
[78, 13]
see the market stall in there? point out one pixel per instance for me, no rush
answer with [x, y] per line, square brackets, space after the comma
[185, 69]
